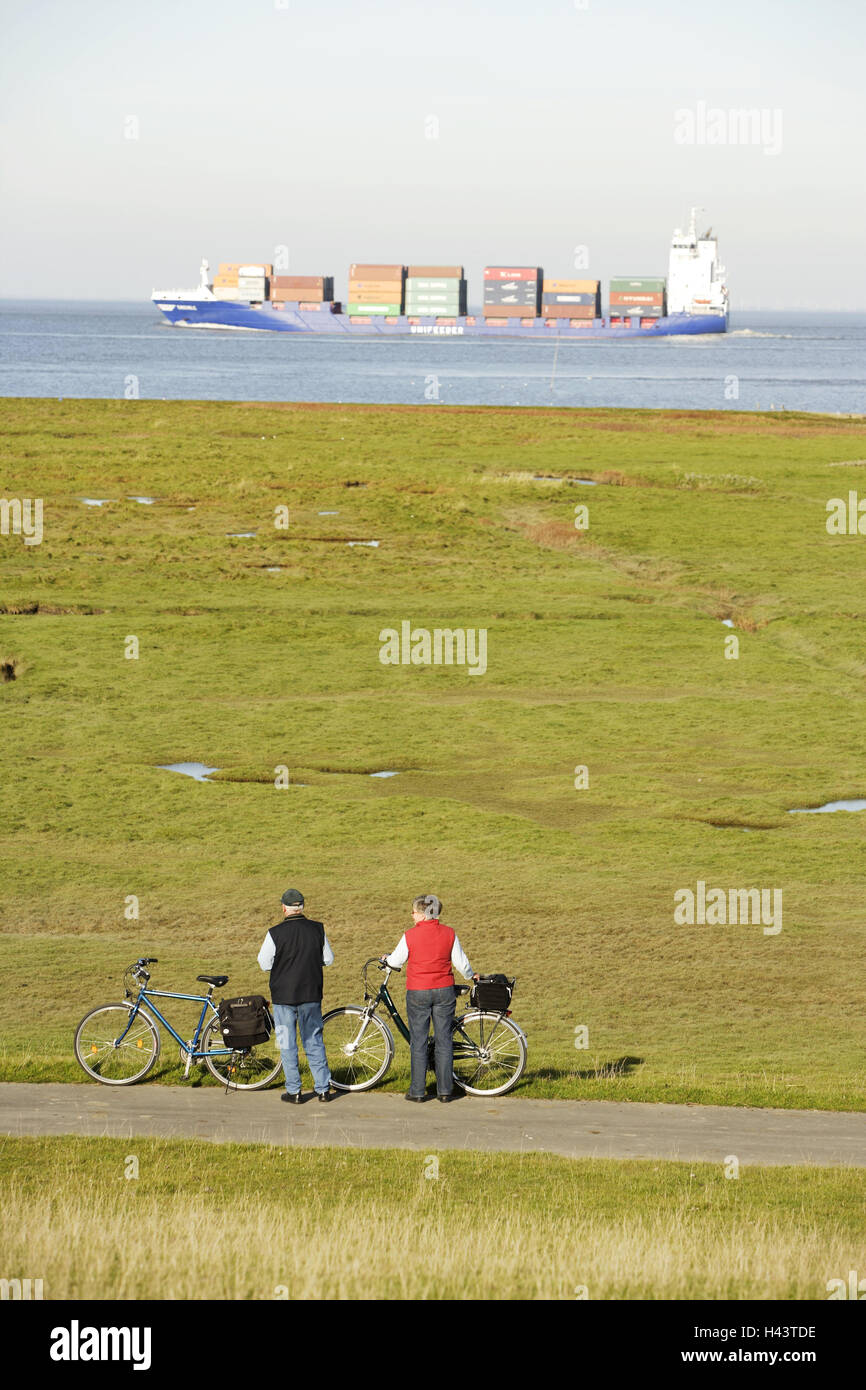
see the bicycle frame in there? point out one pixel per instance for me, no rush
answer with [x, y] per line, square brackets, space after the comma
[191, 1046]
[383, 996]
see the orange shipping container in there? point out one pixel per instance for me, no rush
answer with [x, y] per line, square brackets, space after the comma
[388, 290]
[571, 286]
[290, 296]
[359, 271]
[514, 311]
[298, 282]
[436, 272]
[568, 311]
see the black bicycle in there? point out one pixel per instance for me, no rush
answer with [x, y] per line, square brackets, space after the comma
[489, 1048]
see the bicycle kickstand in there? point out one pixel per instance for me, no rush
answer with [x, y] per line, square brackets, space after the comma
[231, 1066]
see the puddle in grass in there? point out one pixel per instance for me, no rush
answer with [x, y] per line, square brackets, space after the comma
[273, 569]
[145, 501]
[200, 772]
[95, 501]
[327, 513]
[374, 543]
[855, 804]
[384, 774]
[240, 535]
[554, 478]
[727, 622]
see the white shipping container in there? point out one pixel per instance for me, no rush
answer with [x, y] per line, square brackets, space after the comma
[228, 292]
[258, 270]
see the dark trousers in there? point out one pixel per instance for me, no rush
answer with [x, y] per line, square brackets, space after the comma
[421, 1006]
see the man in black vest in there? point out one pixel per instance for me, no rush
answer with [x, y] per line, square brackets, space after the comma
[294, 951]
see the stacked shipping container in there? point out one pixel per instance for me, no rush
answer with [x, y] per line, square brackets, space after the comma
[376, 290]
[577, 301]
[641, 295]
[307, 291]
[437, 290]
[511, 292]
[245, 282]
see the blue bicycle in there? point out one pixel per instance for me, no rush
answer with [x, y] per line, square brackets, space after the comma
[118, 1044]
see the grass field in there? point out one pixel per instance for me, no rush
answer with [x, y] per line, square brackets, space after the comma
[605, 650]
[187, 1220]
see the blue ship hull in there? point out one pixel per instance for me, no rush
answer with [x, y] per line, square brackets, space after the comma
[194, 311]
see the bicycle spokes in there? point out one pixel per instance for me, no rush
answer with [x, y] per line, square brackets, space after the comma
[489, 1053]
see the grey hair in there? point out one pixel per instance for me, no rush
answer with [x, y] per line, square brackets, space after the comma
[429, 904]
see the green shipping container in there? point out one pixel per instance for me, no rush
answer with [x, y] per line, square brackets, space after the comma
[359, 307]
[446, 303]
[639, 282]
[419, 286]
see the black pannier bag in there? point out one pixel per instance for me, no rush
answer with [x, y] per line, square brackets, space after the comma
[492, 993]
[245, 1022]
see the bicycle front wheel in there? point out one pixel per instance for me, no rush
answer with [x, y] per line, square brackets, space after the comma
[113, 1050]
[489, 1053]
[358, 1046]
[240, 1071]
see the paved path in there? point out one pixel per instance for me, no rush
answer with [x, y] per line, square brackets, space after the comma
[575, 1128]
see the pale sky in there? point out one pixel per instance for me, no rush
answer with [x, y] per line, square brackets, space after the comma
[408, 132]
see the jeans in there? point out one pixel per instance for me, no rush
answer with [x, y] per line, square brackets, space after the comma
[308, 1018]
[421, 1005]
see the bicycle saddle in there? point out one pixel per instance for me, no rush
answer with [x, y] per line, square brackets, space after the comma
[218, 980]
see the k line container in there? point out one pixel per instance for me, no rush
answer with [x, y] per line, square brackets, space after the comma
[517, 289]
[520, 272]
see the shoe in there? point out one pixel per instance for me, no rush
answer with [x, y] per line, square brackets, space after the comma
[409, 1096]
[324, 1095]
[450, 1096]
[293, 1097]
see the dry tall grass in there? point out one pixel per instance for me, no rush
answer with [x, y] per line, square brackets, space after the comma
[132, 1245]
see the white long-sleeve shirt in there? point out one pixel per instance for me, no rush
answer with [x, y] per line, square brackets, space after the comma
[459, 958]
[269, 950]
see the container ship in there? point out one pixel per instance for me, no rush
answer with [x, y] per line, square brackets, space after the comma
[518, 301]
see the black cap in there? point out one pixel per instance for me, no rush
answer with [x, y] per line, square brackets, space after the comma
[292, 898]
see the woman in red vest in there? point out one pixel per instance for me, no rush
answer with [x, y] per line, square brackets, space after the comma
[431, 949]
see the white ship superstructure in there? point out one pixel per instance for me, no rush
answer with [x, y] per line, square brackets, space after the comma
[696, 279]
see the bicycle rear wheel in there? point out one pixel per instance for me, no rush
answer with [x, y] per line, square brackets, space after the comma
[240, 1071]
[358, 1046]
[106, 1058]
[489, 1053]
